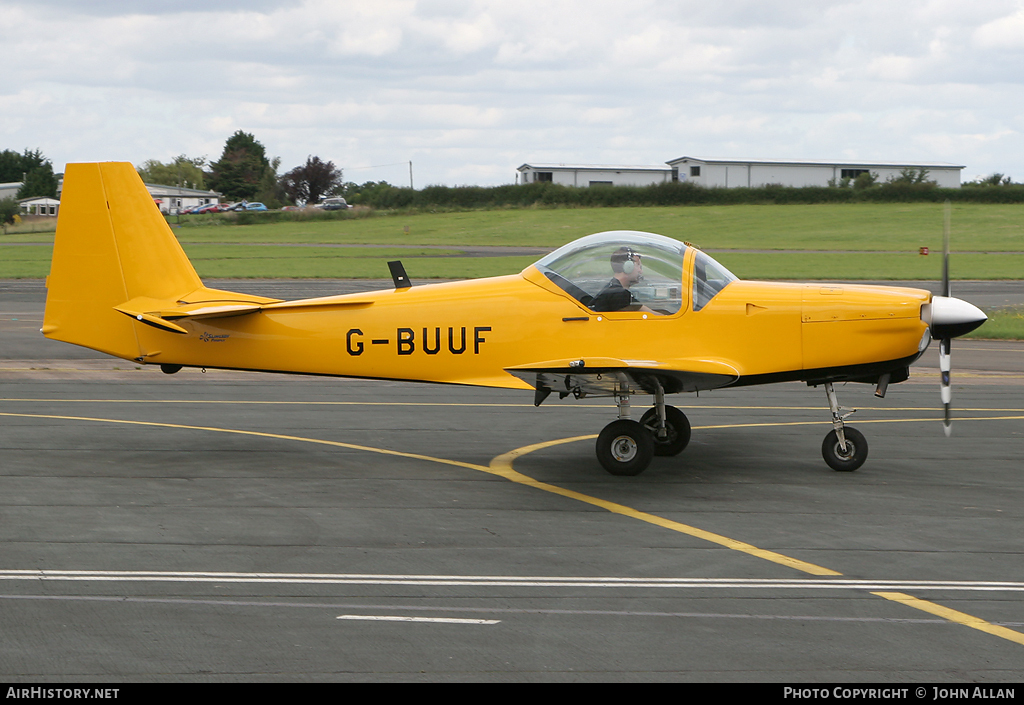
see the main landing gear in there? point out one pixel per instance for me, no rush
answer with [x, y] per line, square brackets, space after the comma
[626, 447]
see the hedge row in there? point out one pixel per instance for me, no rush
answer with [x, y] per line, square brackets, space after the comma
[674, 194]
[549, 195]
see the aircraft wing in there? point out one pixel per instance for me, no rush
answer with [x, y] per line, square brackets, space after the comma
[602, 376]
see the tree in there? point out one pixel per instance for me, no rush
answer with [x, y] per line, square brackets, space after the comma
[241, 169]
[310, 182]
[996, 179]
[865, 180]
[39, 181]
[364, 193]
[11, 168]
[910, 175]
[16, 167]
[8, 209]
[180, 171]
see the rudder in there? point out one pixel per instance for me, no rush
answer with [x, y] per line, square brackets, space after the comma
[112, 245]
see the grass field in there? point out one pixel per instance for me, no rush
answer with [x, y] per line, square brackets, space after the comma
[853, 241]
[850, 241]
[832, 242]
[1002, 324]
[854, 227]
[273, 262]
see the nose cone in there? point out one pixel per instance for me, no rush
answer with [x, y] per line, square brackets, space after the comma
[951, 317]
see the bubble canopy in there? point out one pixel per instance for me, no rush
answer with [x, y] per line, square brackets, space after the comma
[591, 271]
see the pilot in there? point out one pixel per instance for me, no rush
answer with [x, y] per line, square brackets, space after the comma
[627, 269]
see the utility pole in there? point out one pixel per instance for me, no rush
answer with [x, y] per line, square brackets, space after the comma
[410, 175]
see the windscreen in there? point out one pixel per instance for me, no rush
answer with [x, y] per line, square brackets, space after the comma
[621, 270]
[709, 278]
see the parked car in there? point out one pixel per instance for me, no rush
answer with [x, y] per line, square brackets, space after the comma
[245, 206]
[208, 208]
[333, 204]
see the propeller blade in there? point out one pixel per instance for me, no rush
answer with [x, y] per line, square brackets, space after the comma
[945, 365]
[947, 213]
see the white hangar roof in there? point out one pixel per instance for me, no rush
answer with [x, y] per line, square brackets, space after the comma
[592, 167]
[819, 162]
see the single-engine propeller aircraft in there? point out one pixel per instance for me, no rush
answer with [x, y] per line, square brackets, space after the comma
[616, 314]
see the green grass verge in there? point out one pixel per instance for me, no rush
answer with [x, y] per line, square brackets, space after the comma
[283, 262]
[844, 227]
[290, 262]
[277, 262]
[1002, 324]
[862, 265]
[862, 226]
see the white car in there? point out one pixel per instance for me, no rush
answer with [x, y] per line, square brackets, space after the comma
[333, 204]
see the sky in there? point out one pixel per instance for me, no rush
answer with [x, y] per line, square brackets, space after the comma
[469, 90]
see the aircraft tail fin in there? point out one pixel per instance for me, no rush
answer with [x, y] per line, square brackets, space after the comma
[112, 245]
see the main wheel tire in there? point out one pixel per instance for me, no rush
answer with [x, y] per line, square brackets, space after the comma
[855, 454]
[625, 447]
[677, 426]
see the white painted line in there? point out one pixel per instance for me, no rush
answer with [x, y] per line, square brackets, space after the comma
[470, 581]
[439, 620]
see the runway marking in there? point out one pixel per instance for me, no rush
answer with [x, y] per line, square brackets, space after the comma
[603, 407]
[267, 403]
[122, 599]
[953, 616]
[440, 620]
[472, 581]
[924, 605]
[262, 434]
[502, 467]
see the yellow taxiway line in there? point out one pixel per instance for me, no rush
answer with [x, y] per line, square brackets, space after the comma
[953, 616]
[501, 466]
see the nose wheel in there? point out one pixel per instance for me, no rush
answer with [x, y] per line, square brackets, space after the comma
[848, 457]
[844, 449]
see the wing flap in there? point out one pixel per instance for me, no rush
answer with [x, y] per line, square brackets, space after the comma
[604, 376]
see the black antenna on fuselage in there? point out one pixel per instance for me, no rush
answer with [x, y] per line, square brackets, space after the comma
[398, 275]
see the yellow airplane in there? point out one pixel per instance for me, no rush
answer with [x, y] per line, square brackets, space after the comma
[615, 314]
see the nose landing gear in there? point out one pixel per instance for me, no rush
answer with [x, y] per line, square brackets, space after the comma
[844, 449]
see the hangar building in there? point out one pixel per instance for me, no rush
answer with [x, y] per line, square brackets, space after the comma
[594, 174]
[732, 173]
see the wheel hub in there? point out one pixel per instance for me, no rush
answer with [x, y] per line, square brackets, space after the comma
[845, 454]
[624, 449]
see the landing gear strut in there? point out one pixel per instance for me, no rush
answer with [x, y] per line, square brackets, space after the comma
[844, 448]
[626, 447]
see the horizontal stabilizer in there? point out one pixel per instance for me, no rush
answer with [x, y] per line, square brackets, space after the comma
[211, 304]
[151, 320]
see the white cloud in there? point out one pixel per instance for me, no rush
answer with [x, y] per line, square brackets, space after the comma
[1003, 33]
[473, 88]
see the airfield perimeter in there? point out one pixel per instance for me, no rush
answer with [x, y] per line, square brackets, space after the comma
[235, 526]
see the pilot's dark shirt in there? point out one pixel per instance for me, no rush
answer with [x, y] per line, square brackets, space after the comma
[613, 297]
